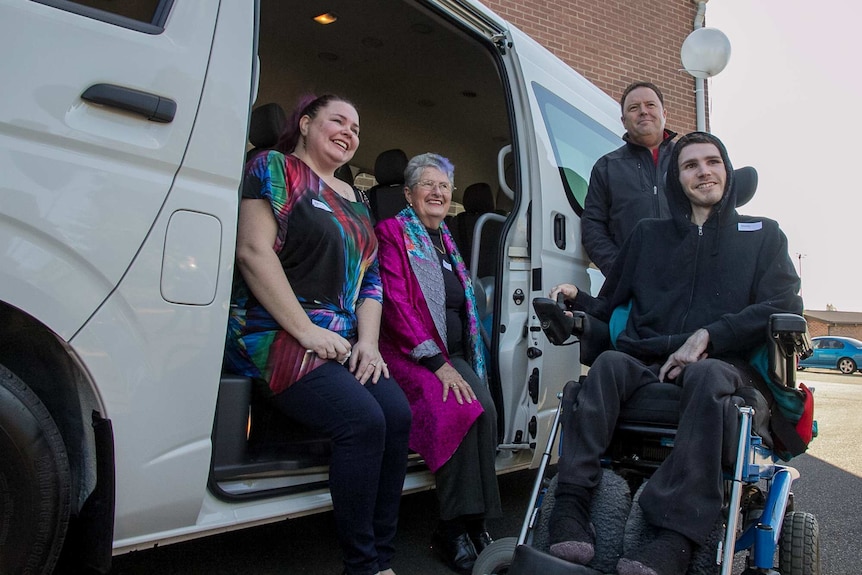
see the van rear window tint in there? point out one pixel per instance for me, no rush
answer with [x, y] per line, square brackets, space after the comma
[578, 141]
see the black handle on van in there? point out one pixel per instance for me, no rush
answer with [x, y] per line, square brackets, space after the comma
[152, 107]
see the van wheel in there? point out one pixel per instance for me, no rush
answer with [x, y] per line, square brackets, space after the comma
[35, 484]
[496, 558]
[799, 550]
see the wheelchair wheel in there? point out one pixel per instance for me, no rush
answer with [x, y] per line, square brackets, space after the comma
[799, 550]
[496, 558]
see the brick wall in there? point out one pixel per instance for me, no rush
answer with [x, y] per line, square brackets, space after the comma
[818, 327]
[615, 42]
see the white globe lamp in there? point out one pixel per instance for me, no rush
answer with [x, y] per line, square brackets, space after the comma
[705, 52]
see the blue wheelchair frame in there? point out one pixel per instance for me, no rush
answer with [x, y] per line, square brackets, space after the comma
[755, 462]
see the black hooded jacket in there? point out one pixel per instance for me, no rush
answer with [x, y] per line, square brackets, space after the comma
[727, 276]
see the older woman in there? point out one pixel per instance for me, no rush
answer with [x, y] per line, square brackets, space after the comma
[305, 317]
[430, 339]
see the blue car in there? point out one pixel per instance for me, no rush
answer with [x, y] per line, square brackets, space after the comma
[834, 352]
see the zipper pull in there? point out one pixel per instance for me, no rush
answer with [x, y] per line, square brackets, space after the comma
[700, 230]
[655, 190]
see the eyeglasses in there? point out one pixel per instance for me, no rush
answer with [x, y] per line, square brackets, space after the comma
[429, 185]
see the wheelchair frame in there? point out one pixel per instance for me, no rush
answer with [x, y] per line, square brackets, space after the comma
[764, 532]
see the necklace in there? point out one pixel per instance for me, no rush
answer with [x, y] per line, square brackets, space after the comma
[442, 248]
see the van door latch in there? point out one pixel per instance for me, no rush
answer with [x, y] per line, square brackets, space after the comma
[518, 296]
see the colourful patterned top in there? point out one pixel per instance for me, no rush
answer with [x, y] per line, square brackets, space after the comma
[327, 248]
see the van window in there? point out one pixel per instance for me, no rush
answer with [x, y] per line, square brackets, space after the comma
[143, 15]
[578, 141]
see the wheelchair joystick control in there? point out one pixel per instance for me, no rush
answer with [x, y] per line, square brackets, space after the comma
[553, 319]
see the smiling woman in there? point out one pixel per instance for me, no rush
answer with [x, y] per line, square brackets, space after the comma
[430, 336]
[305, 315]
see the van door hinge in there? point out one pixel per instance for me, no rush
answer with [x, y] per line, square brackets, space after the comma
[502, 42]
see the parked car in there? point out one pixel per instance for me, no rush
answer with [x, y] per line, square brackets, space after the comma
[833, 352]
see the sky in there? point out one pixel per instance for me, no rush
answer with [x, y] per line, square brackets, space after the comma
[789, 103]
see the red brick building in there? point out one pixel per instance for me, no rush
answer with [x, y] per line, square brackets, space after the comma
[616, 42]
[846, 323]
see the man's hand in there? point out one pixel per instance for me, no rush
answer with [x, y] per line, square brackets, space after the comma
[569, 291]
[693, 350]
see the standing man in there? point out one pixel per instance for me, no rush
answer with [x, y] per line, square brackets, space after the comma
[627, 185]
[702, 286]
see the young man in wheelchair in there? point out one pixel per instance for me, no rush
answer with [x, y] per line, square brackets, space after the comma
[694, 294]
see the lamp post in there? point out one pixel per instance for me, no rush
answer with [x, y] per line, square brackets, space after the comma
[704, 53]
[799, 257]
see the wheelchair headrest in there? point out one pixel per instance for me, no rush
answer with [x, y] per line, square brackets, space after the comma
[389, 167]
[745, 182]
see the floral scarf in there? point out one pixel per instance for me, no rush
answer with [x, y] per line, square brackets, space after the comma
[426, 267]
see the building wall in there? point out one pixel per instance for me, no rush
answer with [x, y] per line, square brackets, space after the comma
[818, 327]
[616, 42]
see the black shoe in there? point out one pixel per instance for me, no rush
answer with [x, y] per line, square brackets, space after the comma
[480, 541]
[458, 552]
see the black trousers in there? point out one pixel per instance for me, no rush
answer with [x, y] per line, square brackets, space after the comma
[467, 483]
[685, 494]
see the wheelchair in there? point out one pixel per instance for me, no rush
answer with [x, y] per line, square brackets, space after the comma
[758, 519]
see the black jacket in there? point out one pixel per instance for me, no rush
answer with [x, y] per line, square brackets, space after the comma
[727, 276]
[625, 187]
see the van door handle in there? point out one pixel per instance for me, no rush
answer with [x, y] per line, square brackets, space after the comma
[560, 231]
[152, 107]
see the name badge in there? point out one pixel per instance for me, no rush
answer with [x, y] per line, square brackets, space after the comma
[447, 265]
[749, 226]
[320, 205]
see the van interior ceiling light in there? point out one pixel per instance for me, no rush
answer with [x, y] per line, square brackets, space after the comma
[325, 18]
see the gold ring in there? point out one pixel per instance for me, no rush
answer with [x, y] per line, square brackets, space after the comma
[454, 386]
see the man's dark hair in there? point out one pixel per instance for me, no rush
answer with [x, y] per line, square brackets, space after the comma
[635, 86]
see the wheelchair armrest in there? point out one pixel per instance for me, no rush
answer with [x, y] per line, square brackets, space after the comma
[790, 332]
[789, 341]
[553, 320]
[593, 333]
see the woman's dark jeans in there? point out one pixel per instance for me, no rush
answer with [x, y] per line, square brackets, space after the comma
[369, 426]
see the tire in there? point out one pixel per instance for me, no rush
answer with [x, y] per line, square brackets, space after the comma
[846, 365]
[799, 549]
[35, 484]
[496, 558]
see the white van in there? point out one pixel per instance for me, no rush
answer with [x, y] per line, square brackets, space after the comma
[123, 134]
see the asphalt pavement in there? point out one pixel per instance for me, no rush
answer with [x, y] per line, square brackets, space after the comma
[830, 486]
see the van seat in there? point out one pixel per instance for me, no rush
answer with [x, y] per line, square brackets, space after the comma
[478, 199]
[265, 128]
[387, 196]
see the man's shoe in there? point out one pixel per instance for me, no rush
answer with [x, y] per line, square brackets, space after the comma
[458, 552]
[480, 541]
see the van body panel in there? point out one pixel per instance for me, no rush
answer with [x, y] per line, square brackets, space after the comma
[158, 361]
[84, 182]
